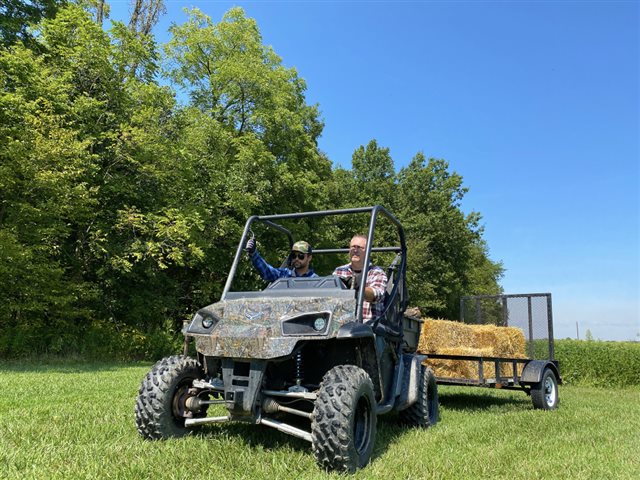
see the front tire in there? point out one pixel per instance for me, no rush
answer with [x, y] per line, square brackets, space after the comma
[425, 411]
[343, 427]
[544, 394]
[160, 409]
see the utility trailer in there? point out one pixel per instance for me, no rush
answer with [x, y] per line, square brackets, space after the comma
[539, 374]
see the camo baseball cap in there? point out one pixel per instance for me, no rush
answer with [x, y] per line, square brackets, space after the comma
[302, 247]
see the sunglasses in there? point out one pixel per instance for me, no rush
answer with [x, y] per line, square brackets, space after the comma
[298, 255]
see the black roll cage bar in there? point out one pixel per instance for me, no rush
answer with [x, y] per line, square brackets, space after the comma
[373, 210]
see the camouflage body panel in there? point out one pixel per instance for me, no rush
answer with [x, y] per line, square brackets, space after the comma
[252, 328]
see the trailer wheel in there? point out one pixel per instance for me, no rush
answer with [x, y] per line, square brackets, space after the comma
[425, 411]
[343, 427]
[161, 404]
[544, 394]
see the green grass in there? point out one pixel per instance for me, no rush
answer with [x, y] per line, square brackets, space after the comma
[75, 421]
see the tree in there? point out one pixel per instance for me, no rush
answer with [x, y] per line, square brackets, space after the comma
[145, 15]
[87, 209]
[248, 142]
[374, 173]
[447, 255]
[16, 16]
[100, 7]
[259, 131]
[45, 194]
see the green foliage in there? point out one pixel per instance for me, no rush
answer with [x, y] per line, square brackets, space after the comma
[602, 364]
[447, 253]
[447, 256]
[17, 16]
[90, 341]
[373, 176]
[248, 126]
[44, 193]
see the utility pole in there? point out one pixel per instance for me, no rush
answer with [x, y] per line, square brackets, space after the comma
[577, 331]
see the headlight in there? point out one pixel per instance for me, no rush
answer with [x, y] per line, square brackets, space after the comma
[319, 324]
[207, 322]
[203, 322]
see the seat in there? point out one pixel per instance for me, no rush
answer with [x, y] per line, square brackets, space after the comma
[387, 324]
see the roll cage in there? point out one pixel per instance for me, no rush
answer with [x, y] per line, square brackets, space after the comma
[396, 299]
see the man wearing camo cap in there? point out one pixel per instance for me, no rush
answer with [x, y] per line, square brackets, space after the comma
[299, 262]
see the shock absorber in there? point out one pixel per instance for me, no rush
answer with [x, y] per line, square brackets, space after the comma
[299, 371]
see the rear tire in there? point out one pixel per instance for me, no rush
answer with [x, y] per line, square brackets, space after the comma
[343, 427]
[160, 409]
[425, 411]
[544, 394]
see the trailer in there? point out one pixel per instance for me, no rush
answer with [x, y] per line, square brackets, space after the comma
[538, 375]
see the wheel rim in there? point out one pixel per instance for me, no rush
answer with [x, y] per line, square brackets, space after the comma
[549, 391]
[180, 411]
[432, 406]
[362, 425]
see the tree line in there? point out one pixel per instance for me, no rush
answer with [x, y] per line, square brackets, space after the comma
[128, 169]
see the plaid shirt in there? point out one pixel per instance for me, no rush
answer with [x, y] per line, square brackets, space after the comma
[269, 273]
[377, 280]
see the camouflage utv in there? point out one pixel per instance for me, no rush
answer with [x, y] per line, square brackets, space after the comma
[297, 357]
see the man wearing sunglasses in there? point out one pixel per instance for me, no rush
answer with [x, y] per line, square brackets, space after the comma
[299, 261]
[373, 305]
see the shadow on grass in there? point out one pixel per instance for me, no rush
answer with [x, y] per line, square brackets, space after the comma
[481, 400]
[389, 429]
[254, 436]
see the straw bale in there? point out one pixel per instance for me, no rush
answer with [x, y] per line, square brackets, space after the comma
[456, 368]
[437, 335]
[455, 338]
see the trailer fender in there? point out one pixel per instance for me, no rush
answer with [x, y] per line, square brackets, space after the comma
[533, 371]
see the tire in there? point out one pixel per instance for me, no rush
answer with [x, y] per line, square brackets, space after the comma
[160, 407]
[544, 394]
[425, 411]
[343, 426]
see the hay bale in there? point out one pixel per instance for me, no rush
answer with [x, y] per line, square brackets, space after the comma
[437, 335]
[445, 337]
[456, 368]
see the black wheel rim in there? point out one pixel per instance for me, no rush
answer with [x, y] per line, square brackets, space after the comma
[362, 425]
[432, 404]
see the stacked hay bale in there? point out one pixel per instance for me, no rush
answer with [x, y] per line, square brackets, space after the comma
[445, 337]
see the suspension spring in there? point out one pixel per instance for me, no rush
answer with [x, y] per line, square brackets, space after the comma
[299, 370]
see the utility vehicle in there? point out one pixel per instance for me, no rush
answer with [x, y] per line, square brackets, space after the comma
[297, 356]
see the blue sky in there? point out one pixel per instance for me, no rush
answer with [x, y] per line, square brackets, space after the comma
[535, 104]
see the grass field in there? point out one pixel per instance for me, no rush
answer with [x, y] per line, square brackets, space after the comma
[75, 421]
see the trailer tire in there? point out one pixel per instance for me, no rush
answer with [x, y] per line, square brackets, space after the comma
[544, 394]
[160, 409]
[424, 412]
[343, 426]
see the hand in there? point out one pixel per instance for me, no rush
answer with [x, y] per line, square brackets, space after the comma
[250, 247]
